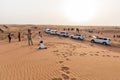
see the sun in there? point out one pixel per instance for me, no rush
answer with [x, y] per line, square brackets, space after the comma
[80, 10]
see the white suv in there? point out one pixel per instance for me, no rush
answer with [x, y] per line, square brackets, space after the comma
[105, 41]
[64, 34]
[47, 30]
[78, 36]
[53, 32]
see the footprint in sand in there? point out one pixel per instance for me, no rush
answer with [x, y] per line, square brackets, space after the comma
[103, 55]
[91, 54]
[97, 52]
[64, 56]
[65, 76]
[65, 69]
[67, 59]
[56, 51]
[108, 55]
[83, 54]
[116, 56]
[61, 62]
[96, 55]
[70, 54]
[57, 79]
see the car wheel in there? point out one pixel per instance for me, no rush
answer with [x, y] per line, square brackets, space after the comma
[82, 39]
[104, 43]
[92, 41]
[78, 37]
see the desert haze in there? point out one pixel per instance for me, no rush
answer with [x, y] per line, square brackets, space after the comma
[64, 58]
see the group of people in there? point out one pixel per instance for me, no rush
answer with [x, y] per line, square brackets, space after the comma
[29, 37]
[72, 29]
[116, 36]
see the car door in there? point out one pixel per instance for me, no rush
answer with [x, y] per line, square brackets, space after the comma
[75, 36]
[97, 40]
[101, 40]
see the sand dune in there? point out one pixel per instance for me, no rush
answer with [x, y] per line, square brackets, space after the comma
[64, 59]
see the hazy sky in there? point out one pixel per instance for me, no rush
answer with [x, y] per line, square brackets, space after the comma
[70, 12]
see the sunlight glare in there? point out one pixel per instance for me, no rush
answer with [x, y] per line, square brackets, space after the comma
[80, 10]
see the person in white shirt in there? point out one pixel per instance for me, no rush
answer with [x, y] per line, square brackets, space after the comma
[42, 45]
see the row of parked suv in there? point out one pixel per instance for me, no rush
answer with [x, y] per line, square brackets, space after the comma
[65, 34]
[94, 39]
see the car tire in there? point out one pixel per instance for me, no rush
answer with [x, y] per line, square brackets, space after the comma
[92, 41]
[104, 43]
[82, 39]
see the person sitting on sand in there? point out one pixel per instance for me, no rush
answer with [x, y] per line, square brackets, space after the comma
[9, 37]
[42, 45]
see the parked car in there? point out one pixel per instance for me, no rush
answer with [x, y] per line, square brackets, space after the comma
[54, 32]
[105, 41]
[64, 34]
[90, 30]
[78, 36]
[47, 30]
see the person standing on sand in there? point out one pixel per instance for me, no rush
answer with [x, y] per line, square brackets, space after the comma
[40, 37]
[77, 30]
[9, 37]
[19, 36]
[29, 37]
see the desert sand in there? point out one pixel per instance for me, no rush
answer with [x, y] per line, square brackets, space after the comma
[64, 58]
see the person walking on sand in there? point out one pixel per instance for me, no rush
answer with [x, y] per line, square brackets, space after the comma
[30, 42]
[9, 37]
[19, 36]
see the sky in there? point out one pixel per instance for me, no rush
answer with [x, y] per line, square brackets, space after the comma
[60, 12]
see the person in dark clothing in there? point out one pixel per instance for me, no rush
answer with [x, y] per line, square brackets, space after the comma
[19, 36]
[9, 37]
[113, 36]
[77, 30]
[40, 37]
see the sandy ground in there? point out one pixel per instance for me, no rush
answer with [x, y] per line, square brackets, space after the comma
[64, 59]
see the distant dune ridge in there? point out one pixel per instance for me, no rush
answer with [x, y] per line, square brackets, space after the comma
[64, 58]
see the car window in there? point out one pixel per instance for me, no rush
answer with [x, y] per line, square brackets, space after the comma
[98, 38]
[105, 39]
